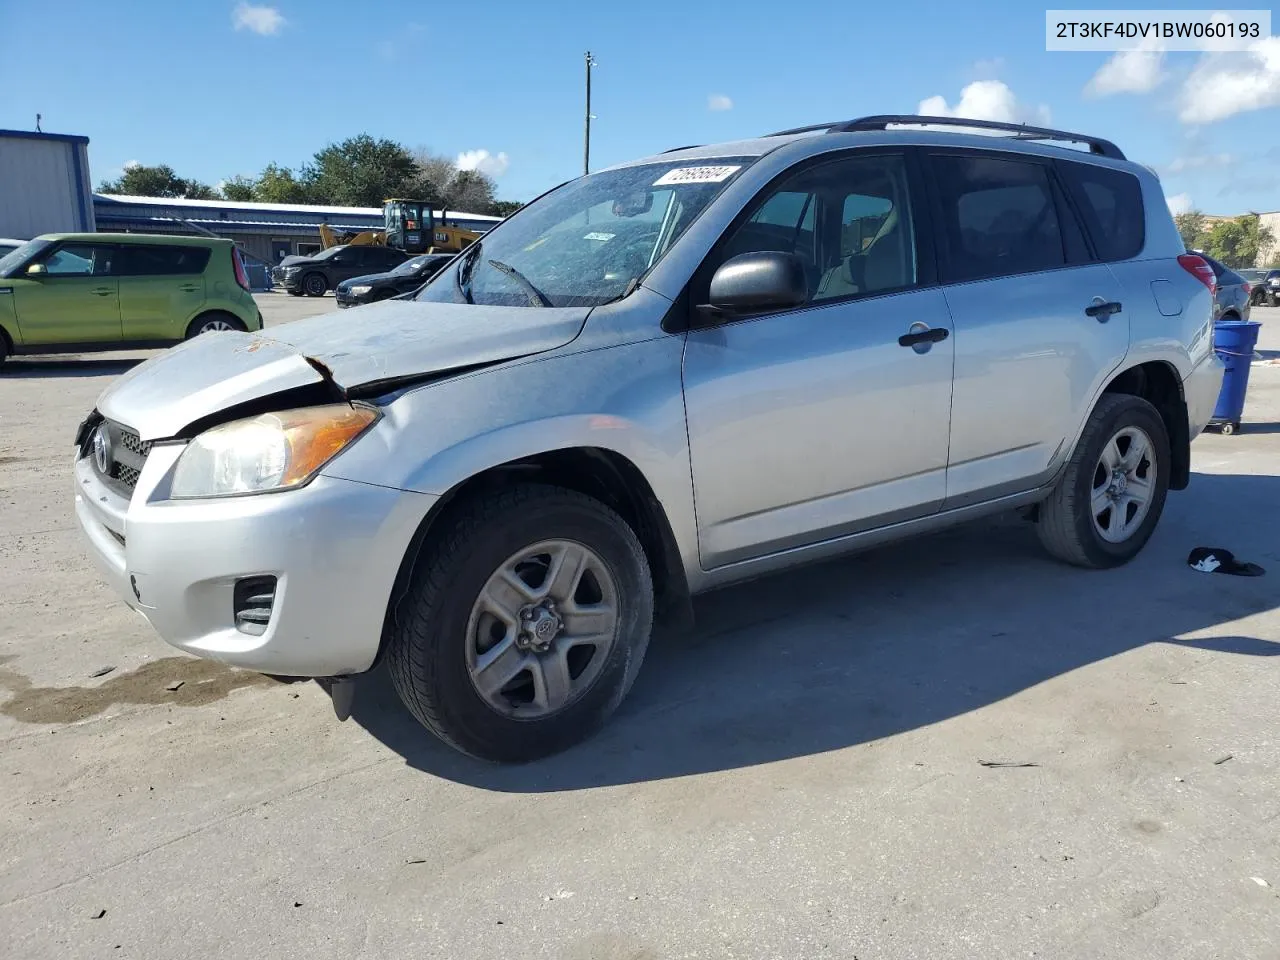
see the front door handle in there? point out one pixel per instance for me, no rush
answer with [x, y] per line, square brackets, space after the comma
[1101, 310]
[103, 292]
[189, 289]
[927, 335]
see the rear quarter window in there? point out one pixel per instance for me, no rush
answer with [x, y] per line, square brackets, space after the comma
[1111, 202]
[145, 261]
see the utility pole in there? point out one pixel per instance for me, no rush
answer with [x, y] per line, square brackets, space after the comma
[586, 137]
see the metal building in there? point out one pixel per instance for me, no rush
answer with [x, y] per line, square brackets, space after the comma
[44, 184]
[268, 231]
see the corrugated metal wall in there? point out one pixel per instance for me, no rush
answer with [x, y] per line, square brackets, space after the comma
[44, 186]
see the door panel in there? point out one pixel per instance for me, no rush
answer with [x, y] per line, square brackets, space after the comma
[1029, 361]
[158, 308]
[816, 424]
[73, 301]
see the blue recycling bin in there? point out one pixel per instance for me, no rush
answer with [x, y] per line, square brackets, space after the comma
[1233, 340]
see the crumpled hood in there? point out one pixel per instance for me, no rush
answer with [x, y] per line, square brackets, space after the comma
[294, 259]
[391, 340]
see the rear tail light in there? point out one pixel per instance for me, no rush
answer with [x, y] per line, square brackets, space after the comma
[1199, 268]
[242, 278]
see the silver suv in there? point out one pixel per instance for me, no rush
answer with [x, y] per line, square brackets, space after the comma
[655, 380]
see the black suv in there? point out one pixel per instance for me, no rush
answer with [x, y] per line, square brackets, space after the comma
[323, 272]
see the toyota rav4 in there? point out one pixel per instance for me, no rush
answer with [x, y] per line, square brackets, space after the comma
[655, 380]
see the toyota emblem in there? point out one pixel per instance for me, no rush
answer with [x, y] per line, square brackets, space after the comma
[102, 450]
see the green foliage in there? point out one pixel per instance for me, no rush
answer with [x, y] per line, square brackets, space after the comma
[238, 188]
[1237, 242]
[362, 172]
[279, 184]
[504, 208]
[1190, 226]
[158, 181]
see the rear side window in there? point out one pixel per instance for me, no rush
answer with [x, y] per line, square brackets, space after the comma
[1112, 204]
[999, 217]
[143, 261]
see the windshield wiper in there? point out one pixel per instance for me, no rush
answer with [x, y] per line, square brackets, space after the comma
[468, 265]
[536, 296]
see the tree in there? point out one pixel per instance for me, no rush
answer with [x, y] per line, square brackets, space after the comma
[471, 192]
[362, 172]
[159, 181]
[1190, 226]
[279, 184]
[1237, 242]
[504, 208]
[238, 188]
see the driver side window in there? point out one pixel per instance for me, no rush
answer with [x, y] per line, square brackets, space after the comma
[848, 221]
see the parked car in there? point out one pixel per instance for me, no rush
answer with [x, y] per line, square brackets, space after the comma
[664, 377]
[1232, 295]
[75, 292]
[1266, 286]
[405, 278]
[317, 274]
[8, 245]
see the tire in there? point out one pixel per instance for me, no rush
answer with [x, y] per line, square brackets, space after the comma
[214, 322]
[314, 285]
[4, 347]
[1067, 526]
[432, 652]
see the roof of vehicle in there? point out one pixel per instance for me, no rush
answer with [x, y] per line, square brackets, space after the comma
[904, 129]
[148, 238]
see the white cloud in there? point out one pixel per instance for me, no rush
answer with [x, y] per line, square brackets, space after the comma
[265, 21]
[1206, 161]
[718, 102]
[484, 161]
[986, 100]
[1224, 84]
[1179, 203]
[1130, 71]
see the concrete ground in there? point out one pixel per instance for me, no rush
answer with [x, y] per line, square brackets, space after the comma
[952, 748]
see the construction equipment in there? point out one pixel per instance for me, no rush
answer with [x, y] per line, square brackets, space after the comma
[329, 237]
[411, 226]
[408, 225]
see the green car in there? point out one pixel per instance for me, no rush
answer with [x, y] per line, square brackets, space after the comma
[74, 292]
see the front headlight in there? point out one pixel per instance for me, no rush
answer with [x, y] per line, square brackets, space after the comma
[290, 271]
[359, 290]
[274, 451]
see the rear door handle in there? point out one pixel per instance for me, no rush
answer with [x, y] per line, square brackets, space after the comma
[1101, 310]
[933, 335]
[188, 289]
[103, 292]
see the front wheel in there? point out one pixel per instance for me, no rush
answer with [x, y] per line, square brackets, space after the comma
[314, 285]
[1107, 502]
[525, 624]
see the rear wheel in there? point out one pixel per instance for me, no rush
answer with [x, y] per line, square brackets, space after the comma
[4, 347]
[314, 285]
[1110, 497]
[525, 624]
[213, 323]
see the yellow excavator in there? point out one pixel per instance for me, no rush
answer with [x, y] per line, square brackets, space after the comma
[408, 225]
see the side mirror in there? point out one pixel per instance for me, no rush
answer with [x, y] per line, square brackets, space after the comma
[757, 282]
[37, 270]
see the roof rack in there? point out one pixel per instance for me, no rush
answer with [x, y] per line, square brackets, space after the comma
[1096, 145]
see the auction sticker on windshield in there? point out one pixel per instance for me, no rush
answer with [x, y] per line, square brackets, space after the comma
[696, 175]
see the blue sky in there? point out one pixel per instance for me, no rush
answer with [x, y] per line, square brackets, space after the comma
[218, 88]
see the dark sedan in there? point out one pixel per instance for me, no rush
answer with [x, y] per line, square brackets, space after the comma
[317, 274]
[1266, 286]
[406, 278]
[1231, 297]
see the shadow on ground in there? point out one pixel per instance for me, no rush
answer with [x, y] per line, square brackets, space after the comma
[50, 367]
[851, 651]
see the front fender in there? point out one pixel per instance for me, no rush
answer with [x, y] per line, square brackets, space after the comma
[625, 399]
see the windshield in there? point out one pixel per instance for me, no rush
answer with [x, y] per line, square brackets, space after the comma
[326, 254]
[589, 241]
[411, 266]
[11, 259]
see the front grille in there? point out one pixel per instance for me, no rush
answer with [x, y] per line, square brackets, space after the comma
[127, 454]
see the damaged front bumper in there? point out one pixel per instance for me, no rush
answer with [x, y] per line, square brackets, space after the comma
[295, 582]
